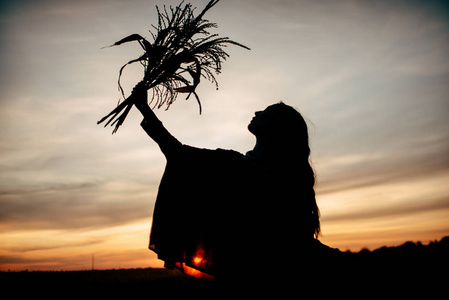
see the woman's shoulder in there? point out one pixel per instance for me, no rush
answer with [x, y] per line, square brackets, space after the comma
[229, 153]
[202, 158]
[319, 247]
[217, 153]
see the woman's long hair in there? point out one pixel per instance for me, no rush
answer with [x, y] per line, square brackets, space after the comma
[291, 144]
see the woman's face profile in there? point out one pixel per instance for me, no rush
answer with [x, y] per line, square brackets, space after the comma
[261, 122]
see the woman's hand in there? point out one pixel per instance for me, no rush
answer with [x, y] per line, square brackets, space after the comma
[140, 100]
[139, 96]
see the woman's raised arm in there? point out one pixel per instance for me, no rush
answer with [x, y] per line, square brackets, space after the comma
[151, 124]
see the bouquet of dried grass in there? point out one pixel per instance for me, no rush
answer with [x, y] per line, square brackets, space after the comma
[182, 48]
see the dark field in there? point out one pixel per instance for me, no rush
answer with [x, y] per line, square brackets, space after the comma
[123, 282]
[411, 269]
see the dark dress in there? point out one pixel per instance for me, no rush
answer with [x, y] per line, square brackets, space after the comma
[218, 214]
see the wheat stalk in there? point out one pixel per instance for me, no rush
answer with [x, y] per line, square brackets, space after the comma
[181, 49]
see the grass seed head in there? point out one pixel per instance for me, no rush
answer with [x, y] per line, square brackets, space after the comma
[181, 52]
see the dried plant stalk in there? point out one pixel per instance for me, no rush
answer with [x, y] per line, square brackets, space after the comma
[182, 51]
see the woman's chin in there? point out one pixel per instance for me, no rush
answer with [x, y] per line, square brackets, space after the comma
[251, 128]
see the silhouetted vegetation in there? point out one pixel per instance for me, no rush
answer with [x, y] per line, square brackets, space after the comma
[406, 250]
[406, 269]
[182, 51]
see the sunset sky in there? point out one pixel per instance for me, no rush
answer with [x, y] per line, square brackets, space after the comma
[370, 77]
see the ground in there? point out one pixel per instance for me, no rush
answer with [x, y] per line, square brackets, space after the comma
[411, 269]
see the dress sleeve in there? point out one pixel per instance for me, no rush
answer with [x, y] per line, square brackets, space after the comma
[156, 130]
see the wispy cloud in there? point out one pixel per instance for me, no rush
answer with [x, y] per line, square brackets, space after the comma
[86, 206]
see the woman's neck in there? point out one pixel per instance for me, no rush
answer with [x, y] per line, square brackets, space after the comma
[260, 150]
[261, 154]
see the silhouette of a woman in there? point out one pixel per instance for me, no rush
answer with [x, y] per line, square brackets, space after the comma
[219, 212]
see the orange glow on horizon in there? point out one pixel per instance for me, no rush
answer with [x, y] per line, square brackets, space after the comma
[198, 263]
[190, 271]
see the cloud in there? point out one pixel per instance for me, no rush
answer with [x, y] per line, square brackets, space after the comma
[391, 211]
[352, 170]
[48, 247]
[83, 206]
